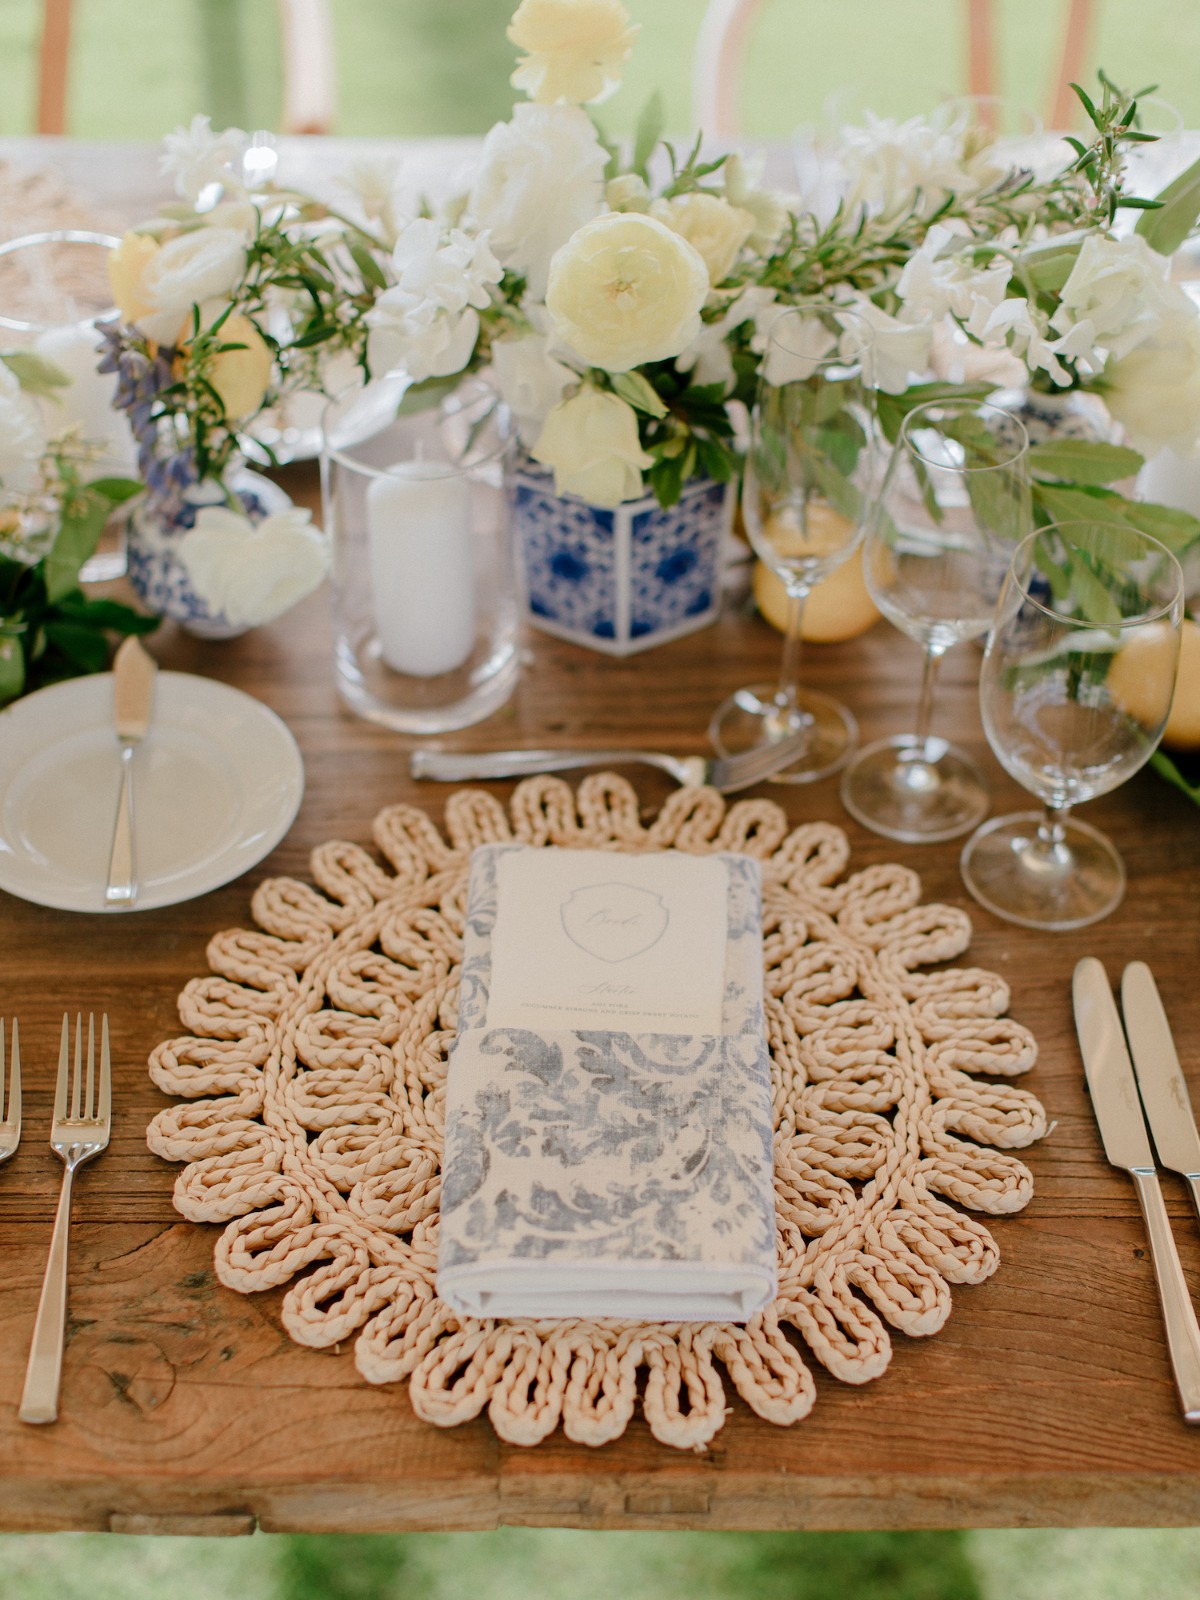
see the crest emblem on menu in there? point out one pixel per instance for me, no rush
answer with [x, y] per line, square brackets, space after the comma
[614, 921]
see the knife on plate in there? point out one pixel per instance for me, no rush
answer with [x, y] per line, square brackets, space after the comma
[133, 701]
[1160, 1077]
[1127, 1144]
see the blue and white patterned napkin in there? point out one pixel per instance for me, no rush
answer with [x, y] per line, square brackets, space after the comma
[592, 1172]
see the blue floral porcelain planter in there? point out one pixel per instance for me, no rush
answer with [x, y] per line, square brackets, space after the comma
[153, 532]
[624, 579]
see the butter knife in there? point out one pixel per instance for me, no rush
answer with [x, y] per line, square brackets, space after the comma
[1160, 1077]
[1126, 1144]
[133, 702]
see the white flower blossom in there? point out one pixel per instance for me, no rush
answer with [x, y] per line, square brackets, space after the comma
[253, 572]
[189, 269]
[898, 352]
[708, 357]
[531, 382]
[888, 166]
[938, 282]
[540, 177]
[1118, 288]
[591, 444]
[716, 228]
[205, 166]
[1154, 391]
[625, 290]
[428, 321]
[575, 49]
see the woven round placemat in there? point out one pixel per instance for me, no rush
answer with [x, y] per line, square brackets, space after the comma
[314, 1072]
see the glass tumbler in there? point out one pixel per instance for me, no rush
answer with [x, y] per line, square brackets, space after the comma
[424, 591]
[1075, 690]
[54, 296]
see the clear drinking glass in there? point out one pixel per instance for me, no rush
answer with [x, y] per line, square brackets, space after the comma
[54, 295]
[1075, 690]
[954, 505]
[424, 591]
[807, 489]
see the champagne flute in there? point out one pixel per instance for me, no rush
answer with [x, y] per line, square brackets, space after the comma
[1075, 691]
[955, 503]
[805, 497]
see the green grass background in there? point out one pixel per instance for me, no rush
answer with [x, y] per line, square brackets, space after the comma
[411, 67]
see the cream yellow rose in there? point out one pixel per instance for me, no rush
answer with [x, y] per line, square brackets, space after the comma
[128, 268]
[625, 289]
[575, 49]
[716, 228]
[590, 442]
[240, 377]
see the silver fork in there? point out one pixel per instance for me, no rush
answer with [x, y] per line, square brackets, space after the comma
[82, 1115]
[726, 773]
[10, 1126]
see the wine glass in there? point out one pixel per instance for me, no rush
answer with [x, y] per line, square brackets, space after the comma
[954, 504]
[1075, 690]
[805, 497]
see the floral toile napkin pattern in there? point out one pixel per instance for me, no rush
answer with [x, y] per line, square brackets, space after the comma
[599, 1172]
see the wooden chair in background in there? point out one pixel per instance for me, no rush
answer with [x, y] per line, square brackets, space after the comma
[306, 43]
[725, 32]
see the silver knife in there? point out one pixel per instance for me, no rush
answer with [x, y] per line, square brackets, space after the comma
[1159, 1076]
[1127, 1144]
[133, 701]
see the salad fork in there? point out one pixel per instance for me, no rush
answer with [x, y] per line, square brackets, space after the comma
[10, 1109]
[82, 1115]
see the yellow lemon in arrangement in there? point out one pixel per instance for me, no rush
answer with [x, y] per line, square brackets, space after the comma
[1135, 681]
[839, 607]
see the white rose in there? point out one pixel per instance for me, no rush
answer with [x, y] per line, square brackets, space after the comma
[204, 165]
[1154, 391]
[717, 229]
[253, 572]
[1118, 289]
[625, 290]
[531, 382]
[22, 436]
[198, 266]
[627, 192]
[540, 177]
[591, 444]
[576, 49]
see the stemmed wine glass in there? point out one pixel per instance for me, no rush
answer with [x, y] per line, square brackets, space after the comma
[805, 498]
[955, 503]
[1075, 690]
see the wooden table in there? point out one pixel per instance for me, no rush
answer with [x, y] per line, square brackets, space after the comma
[1046, 1399]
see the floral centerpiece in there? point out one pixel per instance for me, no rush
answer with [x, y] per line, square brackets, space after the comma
[236, 296]
[623, 305]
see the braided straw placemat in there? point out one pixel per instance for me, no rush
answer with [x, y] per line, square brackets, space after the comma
[315, 1074]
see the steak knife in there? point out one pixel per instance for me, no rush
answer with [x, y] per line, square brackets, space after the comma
[1126, 1144]
[1160, 1077]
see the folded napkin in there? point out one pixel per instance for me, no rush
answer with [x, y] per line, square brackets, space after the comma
[596, 1166]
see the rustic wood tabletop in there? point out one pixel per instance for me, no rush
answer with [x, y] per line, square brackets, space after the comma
[1046, 1399]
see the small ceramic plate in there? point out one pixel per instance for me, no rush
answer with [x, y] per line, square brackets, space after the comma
[217, 783]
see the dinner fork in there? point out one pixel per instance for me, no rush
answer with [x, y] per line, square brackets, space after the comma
[10, 1112]
[82, 1115]
[726, 773]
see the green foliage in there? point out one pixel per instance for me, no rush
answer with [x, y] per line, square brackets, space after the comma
[34, 373]
[1166, 226]
[49, 629]
[858, 1566]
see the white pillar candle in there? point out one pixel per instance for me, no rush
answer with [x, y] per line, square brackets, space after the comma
[87, 401]
[421, 568]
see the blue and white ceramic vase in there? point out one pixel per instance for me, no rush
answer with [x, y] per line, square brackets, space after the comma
[154, 529]
[624, 579]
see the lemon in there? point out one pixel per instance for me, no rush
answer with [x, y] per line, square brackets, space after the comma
[1183, 725]
[1135, 681]
[840, 606]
